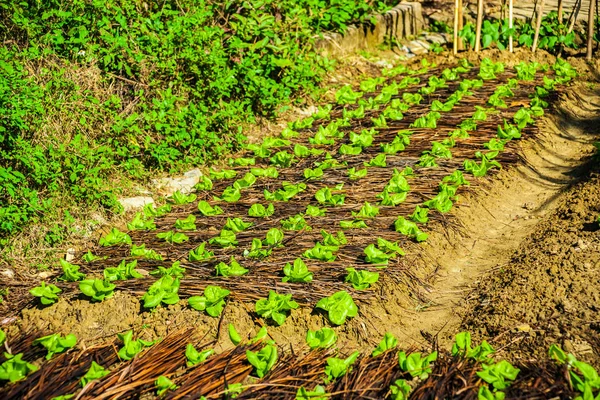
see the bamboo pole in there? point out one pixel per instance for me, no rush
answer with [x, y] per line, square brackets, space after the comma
[510, 25]
[538, 24]
[590, 39]
[460, 24]
[560, 11]
[479, 22]
[574, 15]
[455, 37]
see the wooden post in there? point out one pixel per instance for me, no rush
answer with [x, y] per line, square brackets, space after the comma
[538, 24]
[479, 23]
[560, 11]
[590, 38]
[460, 24]
[455, 38]
[574, 16]
[510, 24]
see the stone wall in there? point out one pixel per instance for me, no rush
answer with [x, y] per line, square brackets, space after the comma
[401, 22]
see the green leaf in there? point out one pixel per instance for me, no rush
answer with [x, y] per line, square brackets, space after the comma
[143, 252]
[314, 211]
[355, 174]
[200, 253]
[195, 357]
[223, 174]
[141, 223]
[367, 211]
[115, 238]
[410, 229]
[356, 224]
[151, 212]
[212, 302]
[326, 196]
[164, 290]
[257, 210]
[318, 393]
[234, 336]
[361, 280]
[339, 307]
[225, 239]
[263, 360]
[373, 255]
[15, 368]
[180, 198]
[338, 367]
[269, 172]
[164, 384]
[123, 271]
[297, 273]
[295, 223]
[275, 307]
[400, 390]
[233, 269]
[175, 270]
[378, 161]
[131, 347]
[498, 375]
[321, 339]
[274, 237]
[204, 184]
[95, 372]
[313, 174]
[416, 365]
[237, 225]
[173, 237]
[97, 289]
[388, 342]
[70, 272]
[208, 210]
[420, 215]
[48, 294]
[321, 252]
[56, 344]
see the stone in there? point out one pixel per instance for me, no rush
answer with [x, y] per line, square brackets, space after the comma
[185, 184]
[135, 203]
[9, 273]
[70, 255]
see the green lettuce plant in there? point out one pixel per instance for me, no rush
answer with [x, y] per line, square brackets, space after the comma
[141, 223]
[195, 357]
[338, 367]
[362, 279]
[388, 342]
[164, 290]
[95, 372]
[225, 239]
[212, 302]
[70, 272]
[173, 237]
[257, 210]
[175, 270]
[56, 344]
[275, 307]
[142, 252]
[15, 368]
[163, 385]
[48, 294]
[321, 339]
[410, 229]
[416, 365]
[181, 198]
[298, 272]
[97, 289]
[200, 253]
[122, 271]
[115, 238]
[263, 360]
[207, 210]
[231, 269]
[186, 224]
[339, 306]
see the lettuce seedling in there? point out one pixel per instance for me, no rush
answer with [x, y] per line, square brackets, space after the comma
[356, 224]
[338, 367]
[295, 223]
[97, 289]
[205, 183]
[391, 199]
[321, 252]
[329, 239]
[456, 178]
[498, 374]
[373, 255]
[200, 253]
[303, 123]
[247, 181]
[420, 215]
[321, 139]
[95, 372]
[142, 252]
[393, 114]
[175, 270]
[318, 393]
[89, 257]
[263, 360]
[48, 294]
[274, 237]
[416, 365]
[56, 344]
[443, 200]
[195, 357]
[256, 250]
[364, 139]
[164, 290]
[462, 347]
[208, 210]
[321, 339]
[282, 159]
[349, 150]
[313, 174]
[163, 385]
[275, 307]
[480, 169]
[339, 306]
[180, 198]
[140, 223]
[362, 279]
[225, 239]
[241, 161]
[269, 172]
[346, 95]
[355, 174]
[326, 197]
[230, 194]
[259, 211]
[114, 238]
[173, 237]
[213, 300]
[223, 174]
[389, 247]
[297, 273]
[410, 229]
[388, 342]
[15, 368]
[233, 269]
[234, 336]
[122, 271]
[152, 212]
[400, 390]
[314, 211]
[302, 151]
[467, 125]
[367, 211]
[488, 69]
[286, 193]
[187, 224]
[2, 337]
[70, 272]
[378, 161]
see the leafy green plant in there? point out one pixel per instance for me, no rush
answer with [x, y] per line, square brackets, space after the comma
[143, 252]
[225, 239]
[70, 272]
[313, 174]
[349, 150]
[231, 269]
[195, 357]
[263, 360]
[462, 348]
[141, 223]
[415, 364]
[274, 237]
[257, 250]
[355, 174]
[115, 238]
[355, 224]
[338, 367]
[48, 294]
[480, 169]
[275, 307]
[295, 223]
[131, 347]
[181, 198]
[150, 211]
[207, 210]
[409, 229]
[234, 336]
[15, 368]
[122, 271]
[164, 290]
[499, 374]
[173, 237]
[318, 393]
[269, 172]
[388, 342]
[286, 193]
[205, 183]
[346, 95]
[377, 161]
[321, 252]
[257, 210]
[95, 372]
[175, 270]
[362, 279]
[339, 306]
[186, 224]
[584, 377]
[2, 337]
[366, 211]
[314, 211]
[373, 255]
[163, 385]
[55, 343]
[400, 390]
[321, 339]
[200, 253]
[420, 215]
[325, 196]
[298, 272]
[213, 300]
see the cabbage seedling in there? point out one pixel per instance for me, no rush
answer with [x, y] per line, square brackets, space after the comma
[275, 307]
[48, 294]
[213, 300]
[56, 344]
[339, 306]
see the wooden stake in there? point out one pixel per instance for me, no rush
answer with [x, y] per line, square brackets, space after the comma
[590, 38]
[574, 15]
[560, 11]
[479, 22]
[510, 24]
[538, 24]
[455, 38]
[461, 45]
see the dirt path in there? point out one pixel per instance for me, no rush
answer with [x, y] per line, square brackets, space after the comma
[497, 221]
